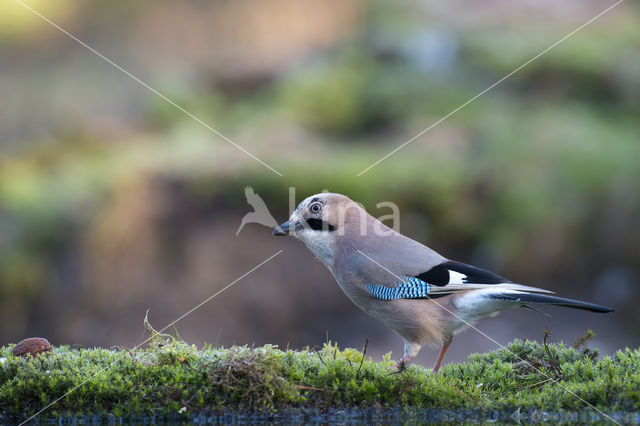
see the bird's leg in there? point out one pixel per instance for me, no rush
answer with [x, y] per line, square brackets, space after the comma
[445, 346]
[410, 351]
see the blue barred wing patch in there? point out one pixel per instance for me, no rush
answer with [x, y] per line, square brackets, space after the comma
[410, 288]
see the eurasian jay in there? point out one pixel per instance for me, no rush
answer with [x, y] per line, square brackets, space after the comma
[421, 295]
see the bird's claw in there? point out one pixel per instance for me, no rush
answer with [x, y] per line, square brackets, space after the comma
[399, 366]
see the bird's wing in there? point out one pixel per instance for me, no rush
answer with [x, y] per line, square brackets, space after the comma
[443, 279]
[253, 198]
[393, 266]
[451, 276]
[255, 201]
[406, 269]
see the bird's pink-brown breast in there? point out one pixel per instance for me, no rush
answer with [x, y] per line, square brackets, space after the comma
[417, 320]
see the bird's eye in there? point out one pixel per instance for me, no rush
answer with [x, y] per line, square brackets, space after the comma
[315, 207]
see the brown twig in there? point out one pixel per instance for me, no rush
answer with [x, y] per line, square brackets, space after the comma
[542, 382]
[364, 354]
[321, 360]
[304, 387]
[462, 393]
[554, 363]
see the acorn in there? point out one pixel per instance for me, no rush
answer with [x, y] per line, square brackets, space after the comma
[31, 346]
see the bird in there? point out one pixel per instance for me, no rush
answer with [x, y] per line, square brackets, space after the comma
[260, 214]
[423, 296]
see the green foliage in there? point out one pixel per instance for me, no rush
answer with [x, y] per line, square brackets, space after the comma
[349, 95]
[171, 378]
[552, 147]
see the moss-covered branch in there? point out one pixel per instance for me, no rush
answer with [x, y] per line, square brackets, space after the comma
[171, 378]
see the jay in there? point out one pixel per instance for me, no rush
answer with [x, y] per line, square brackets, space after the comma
[423, 296]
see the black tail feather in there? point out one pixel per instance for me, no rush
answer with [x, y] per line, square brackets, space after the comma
[549, 300]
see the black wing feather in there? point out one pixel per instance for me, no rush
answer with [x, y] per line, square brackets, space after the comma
[439, 275]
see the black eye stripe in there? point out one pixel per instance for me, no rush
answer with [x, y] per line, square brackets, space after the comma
[319, 225]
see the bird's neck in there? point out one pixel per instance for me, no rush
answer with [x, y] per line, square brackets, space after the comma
[322, 245]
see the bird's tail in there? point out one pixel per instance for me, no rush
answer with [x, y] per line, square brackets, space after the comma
[520, 296]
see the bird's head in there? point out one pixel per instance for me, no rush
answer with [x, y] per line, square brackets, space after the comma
[320, 214]
[319, 220]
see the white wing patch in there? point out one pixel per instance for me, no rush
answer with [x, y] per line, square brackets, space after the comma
[456, 277]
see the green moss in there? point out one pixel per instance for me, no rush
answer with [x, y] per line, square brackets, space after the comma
[171, 378]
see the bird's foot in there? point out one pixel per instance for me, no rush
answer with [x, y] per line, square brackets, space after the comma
[400, 365]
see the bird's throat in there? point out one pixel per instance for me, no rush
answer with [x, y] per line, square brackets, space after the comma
[321, 245]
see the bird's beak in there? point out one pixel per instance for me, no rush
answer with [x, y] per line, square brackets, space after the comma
[283, 229]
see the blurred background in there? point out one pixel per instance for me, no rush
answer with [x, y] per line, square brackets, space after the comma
[113, 201]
